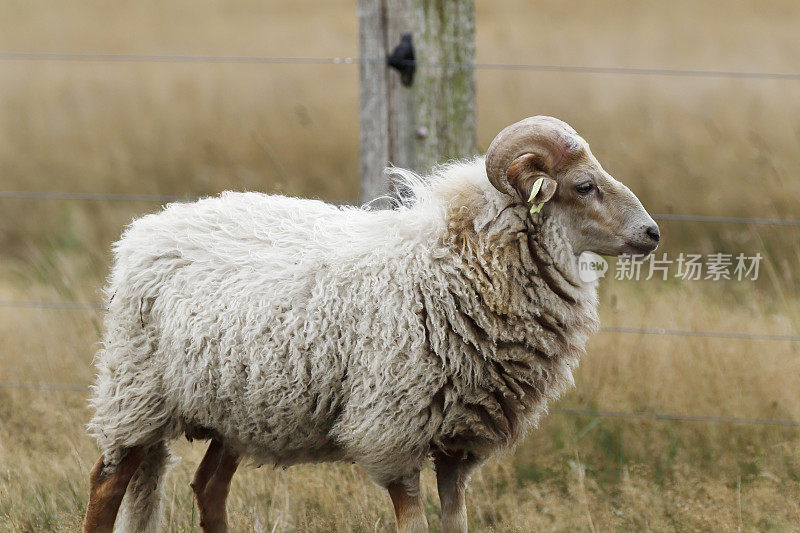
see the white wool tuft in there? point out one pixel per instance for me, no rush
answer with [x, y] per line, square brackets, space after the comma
[297, 331]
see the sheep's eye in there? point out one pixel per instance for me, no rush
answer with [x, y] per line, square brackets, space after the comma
[584, 188]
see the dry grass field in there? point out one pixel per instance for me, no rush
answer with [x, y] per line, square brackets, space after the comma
[684, 145]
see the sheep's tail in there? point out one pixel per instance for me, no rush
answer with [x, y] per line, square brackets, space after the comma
[141, 507]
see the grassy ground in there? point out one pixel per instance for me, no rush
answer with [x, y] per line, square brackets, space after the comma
[703, 146]
[574, 473]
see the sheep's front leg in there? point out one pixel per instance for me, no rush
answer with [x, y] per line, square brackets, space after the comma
[407, 501]
[211, 484]
[107, 490]
[452, 476]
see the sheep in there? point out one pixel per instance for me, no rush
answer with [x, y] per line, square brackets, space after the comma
[291, 331]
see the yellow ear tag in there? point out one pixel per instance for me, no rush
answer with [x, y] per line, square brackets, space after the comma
[535, 208]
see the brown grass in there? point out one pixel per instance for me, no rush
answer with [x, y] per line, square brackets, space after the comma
[705, 146]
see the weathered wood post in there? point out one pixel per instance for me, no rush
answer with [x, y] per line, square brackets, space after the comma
[433, 119]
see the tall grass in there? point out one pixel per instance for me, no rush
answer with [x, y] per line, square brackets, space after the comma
[684, 145]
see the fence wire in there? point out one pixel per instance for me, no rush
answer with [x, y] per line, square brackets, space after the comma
[729, 220]
[165, 198]
[89, 196]
[96, 306]
[597, 413]
[696, 333]
[676, 417]
[43, 386]
[350, 60]
[30, 304]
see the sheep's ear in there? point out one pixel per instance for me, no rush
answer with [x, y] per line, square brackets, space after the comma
[546, 190]
[527, 174]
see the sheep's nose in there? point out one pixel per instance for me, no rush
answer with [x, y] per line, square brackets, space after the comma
[653, 233]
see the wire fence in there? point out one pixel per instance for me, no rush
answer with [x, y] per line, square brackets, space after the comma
[32, 385]
[94, 197]
[350, 60]
[347, 60]
[97, 306]
[165, 198]
[30, 304]
[676, 417]
[596, 413]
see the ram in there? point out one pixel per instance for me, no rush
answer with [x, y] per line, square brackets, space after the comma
[289, 331]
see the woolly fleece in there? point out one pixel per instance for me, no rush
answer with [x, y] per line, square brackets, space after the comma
[298, 331]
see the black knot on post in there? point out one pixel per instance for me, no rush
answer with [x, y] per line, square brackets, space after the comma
[402, 59]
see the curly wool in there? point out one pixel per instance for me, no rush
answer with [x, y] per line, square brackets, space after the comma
[299, 331]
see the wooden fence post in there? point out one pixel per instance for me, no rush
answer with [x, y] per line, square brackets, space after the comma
[431, 121]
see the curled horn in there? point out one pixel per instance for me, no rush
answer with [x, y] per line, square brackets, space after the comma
[547, 138]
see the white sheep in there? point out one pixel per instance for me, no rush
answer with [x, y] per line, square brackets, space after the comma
[289, 330]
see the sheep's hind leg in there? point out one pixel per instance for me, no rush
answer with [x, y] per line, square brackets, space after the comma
[407, 501]
[452, 476]
[107, 490]
[211, 484]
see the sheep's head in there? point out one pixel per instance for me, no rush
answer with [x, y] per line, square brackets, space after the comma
[599, 213]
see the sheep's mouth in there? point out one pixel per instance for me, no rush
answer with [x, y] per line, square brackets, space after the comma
[639, 249]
